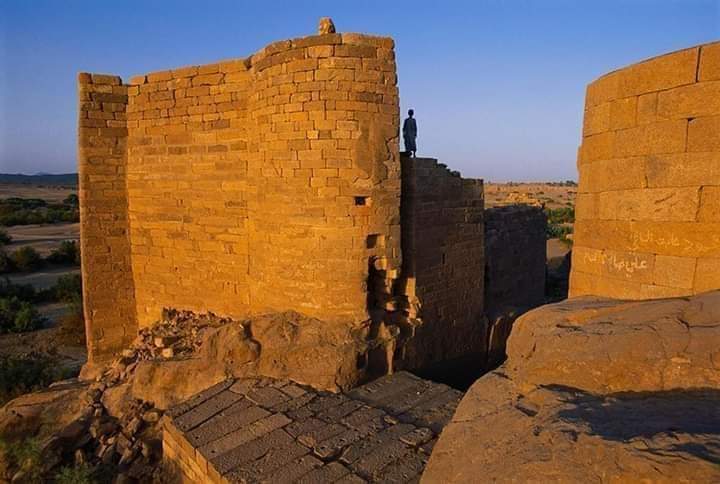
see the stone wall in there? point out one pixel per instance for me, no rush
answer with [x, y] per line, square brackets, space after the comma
[252, 185]
[515, 249]
[443, 265]
[648, 206]
[515, 269]
[108, 290]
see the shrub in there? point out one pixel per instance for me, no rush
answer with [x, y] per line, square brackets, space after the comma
[560, 215]
[6, 263]
[67, 253]
[561, 232]
[23, 375]
[81, 474]
[72, 200]
[21, 211]
[68, 288]
[24, 292]
[24, 455]
[4, 237]
[18, 316]
[26, 259]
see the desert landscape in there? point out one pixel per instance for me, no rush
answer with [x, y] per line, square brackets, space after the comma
[250, 280]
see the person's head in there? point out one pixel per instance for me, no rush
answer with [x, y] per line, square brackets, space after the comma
[410, 113]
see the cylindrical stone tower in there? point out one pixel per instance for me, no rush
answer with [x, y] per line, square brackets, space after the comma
[648, 206]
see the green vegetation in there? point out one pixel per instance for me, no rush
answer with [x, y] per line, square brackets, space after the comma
[563, 215]
[25, 456]
[17, 316]
[68, 289]
[560, 222]
[6, 264]
[26, 259]
[558, 231]
[24, 211]
[81, 474]
[67, 253]
[566, 183]
[17, 304]
[23, 375]
[4, 237]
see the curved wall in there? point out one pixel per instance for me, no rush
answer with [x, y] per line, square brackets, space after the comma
[648, 206]
[325, 171]
[269, 183]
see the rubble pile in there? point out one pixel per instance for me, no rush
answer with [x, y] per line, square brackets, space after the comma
[114, 433]
[177, 335]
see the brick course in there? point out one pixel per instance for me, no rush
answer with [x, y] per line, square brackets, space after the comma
[240, 187]
[649, 180]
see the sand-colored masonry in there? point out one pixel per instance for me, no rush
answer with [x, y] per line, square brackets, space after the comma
[245, 186]
[648, 207]
[273, 183]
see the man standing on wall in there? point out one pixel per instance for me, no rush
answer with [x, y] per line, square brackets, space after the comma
[410, 133]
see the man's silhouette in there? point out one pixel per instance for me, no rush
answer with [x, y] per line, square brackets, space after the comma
[410, 133]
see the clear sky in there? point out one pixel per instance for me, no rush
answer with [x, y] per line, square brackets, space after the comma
[497, 86]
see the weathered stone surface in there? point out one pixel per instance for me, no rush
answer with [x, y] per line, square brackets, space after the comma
[595, 390]
[42, 413]
[353, 437]
[648, 172]
[256, 171]
[609, 346]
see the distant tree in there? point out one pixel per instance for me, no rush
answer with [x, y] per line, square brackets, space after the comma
[68, 289]
[67, 253]
[26, 259]
[6, 264]
[72, 199]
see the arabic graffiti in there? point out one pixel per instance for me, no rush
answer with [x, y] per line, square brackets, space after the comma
[640, 240]
[616, 263]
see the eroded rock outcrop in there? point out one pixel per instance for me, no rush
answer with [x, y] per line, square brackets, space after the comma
[595, 390]
[113, 421]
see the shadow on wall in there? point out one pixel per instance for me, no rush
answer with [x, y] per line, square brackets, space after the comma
[666, 417]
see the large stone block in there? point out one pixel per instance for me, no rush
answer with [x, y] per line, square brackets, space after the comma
[683, 169]
[692, 101]
[673, 271]
[709, 62]
[704, 134]
[660, 73]
[709, 204]
[597, 119]
[707, 275]
[660, 137]
[615, 174]
[686, 239]
[656, 204]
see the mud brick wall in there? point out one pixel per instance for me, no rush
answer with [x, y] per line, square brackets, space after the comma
[325, 173]
[260, 184]
[514, 257]
[648, 206]
[188, 189]
[108, 293]
[443, 262]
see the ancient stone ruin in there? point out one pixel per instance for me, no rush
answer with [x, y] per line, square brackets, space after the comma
[648, 206]
[260, 262]
[275, 183]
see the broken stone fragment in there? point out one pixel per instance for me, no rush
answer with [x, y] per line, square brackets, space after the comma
[326, 26]
[168, 353]
[151, 416]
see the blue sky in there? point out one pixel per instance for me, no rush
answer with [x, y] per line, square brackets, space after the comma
[497, 86]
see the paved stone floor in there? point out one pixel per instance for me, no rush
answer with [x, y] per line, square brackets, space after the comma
[264, 430]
